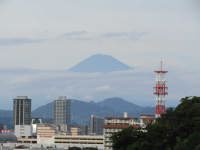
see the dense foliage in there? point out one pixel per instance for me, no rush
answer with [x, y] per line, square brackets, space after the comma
[178, 129]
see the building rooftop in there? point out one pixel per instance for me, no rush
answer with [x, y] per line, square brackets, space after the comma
[22, 97]
[120, 118]
[120, 126]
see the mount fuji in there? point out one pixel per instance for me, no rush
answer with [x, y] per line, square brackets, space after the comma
[100, 63]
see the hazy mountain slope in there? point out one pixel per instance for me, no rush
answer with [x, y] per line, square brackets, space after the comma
[100, 63]
[120, 105]
[81, 111]
[44, 111]
[6, 118]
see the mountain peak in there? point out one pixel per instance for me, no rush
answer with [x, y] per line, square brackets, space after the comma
[100, 63]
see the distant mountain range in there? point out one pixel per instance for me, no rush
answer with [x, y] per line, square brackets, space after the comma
[81, 111]
[6, 117]
[100, 63]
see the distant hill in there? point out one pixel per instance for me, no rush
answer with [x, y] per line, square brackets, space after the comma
[81, 111]
[100, 63]
[6, 117]
[120, 105]
[44, 111]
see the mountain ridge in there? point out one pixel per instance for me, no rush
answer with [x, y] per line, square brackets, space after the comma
[81, 110]
[99, 63]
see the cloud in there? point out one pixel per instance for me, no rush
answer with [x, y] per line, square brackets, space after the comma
[85, 35]
[104, 88]
[76, 35]
[19, 41]
[125, 35]
[2, 1]
[135, 86]
[88, 97]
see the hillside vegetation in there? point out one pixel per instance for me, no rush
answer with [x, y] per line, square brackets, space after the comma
[178, 129]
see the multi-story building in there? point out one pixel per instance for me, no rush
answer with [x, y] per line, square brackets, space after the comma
[62, 113]
[75, 131]
[116, 124]
[78, 130]
[45, 134]
[47, 137]
[96, 125]
[22, 116]
[80, 141]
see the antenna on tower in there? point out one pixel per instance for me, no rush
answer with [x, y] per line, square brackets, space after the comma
[161, 65]
[160, 90]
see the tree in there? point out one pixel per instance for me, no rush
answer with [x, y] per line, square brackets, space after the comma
[123, 139]
[177, 129]
[192, 142]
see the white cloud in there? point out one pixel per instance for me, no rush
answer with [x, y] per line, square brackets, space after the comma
[159, 29]
[18, 41]
[104, 88]
[135, 86]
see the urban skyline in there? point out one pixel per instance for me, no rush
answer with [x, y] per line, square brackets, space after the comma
[100, 74]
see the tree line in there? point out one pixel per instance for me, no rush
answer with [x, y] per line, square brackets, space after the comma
[177, 129]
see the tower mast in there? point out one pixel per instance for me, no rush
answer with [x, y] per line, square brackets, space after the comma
[160, 90]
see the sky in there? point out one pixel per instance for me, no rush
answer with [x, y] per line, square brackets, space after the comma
[50, 36]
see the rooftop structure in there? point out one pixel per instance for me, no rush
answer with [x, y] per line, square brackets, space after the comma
[34, 123]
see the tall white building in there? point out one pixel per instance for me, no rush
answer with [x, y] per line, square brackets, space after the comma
[22, 116]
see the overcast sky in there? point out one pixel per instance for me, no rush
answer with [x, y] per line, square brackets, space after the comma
[37, 33]
[57, 34]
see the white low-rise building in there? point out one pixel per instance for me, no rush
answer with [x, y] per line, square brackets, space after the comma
[23, 130]
[45, 134]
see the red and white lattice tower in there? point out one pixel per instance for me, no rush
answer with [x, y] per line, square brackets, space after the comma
[160, 90]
